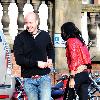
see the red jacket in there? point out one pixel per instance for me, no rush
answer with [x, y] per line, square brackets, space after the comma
[77, 54]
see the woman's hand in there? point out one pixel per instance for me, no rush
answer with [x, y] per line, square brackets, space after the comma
[71, 83]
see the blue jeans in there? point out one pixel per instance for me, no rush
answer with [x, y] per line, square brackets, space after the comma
[38, 89]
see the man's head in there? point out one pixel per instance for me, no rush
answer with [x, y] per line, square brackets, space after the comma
[31, 22]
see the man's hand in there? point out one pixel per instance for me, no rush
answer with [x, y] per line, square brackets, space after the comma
[42, 64]
[49, 62]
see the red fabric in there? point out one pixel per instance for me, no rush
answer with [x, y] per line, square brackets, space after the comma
[77, 54]
[4, 96]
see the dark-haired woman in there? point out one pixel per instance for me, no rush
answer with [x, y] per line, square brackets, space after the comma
[78, 59]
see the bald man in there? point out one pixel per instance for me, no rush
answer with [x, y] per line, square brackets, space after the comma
[34, 52]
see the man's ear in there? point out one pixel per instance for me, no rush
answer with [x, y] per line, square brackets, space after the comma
[38, 22]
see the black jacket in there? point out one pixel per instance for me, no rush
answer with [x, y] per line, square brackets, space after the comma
[28, 51]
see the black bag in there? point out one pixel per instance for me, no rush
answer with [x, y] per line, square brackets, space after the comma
[70, 93]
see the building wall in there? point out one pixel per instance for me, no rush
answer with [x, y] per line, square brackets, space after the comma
[65, 10]
[96, 1]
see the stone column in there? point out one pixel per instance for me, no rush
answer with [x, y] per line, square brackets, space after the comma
[92, 15]
[97, 20]
[5, 17]
[51, 17]
[93, 28]
[65, 10]
[5, 21]
[20, 20]
[35, 4]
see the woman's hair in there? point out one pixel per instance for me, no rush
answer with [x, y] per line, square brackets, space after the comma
[69, 30]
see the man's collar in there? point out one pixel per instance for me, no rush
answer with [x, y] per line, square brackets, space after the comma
[34, 35]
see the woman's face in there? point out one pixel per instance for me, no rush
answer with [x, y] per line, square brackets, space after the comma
[63, 35]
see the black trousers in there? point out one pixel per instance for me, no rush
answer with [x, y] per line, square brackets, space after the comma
[81, 87]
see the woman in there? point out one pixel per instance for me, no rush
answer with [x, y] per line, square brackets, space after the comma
[78, 59]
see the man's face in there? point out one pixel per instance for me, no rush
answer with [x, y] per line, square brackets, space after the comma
[31, 23]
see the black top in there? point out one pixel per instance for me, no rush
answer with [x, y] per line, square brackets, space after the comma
[28, 51]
